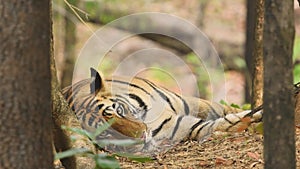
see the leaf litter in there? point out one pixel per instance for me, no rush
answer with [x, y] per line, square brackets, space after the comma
[222, 150]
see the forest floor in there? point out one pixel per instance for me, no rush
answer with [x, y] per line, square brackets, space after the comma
[233, 150]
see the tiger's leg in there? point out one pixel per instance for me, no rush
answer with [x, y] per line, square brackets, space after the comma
[230, 122]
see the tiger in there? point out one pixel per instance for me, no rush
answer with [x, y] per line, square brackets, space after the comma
[140, 109]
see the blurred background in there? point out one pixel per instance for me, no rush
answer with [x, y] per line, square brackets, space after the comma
[224, 23]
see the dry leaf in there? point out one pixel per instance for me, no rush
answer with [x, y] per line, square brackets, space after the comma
[203, 163]
[242, 127]
[237, 139]
[222, 161]
[253, 155]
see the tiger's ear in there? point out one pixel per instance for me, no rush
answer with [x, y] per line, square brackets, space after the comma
[97, 83]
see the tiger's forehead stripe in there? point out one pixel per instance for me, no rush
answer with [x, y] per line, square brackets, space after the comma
[139, 100]
[93, 104]
[126, 101]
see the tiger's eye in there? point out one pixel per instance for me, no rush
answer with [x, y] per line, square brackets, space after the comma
[120, 110]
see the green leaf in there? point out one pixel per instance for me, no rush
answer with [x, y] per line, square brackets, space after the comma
[74, 138]
[223, 102]
[239, 62]
[192, 58]
[71, 152]
[105, 161]
[246, 106]
[123, 142]
[296, 49]
[78, 131]
[101, 128]
[234, 105]
[260, 128]
[297, 73]
[133, 157]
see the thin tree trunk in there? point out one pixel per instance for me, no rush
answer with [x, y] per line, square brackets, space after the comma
[249, 46]
[279, 129]
[297, 105]
[257, 68]
[25, 105]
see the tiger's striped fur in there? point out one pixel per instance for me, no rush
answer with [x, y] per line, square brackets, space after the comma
[140, 107]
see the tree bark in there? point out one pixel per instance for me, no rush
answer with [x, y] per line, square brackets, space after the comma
[257, 68]
[25, 105]
[297, 104]
[279, 131]
[249, 46]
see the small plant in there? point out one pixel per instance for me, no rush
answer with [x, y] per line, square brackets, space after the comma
[243, 107]
[102, 160]
[296, 59]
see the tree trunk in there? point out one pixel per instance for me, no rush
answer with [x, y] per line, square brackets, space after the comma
[279, 131]
[25, 105]
[249, 46]
[257, 68]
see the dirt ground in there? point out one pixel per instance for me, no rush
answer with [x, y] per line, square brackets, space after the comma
[233, 150]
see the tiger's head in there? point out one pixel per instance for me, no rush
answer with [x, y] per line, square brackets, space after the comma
[109, 105]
